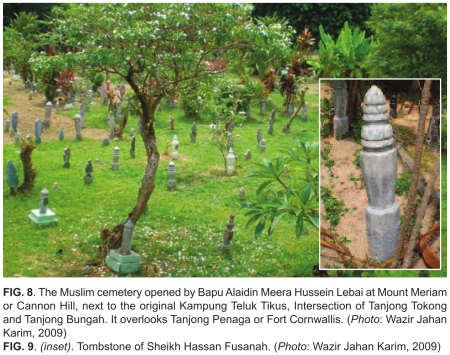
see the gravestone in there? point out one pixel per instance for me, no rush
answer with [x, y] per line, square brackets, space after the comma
[29, 138]
[242, 194]
[12, 179]
[231, 158]
[7, 125]
[133, 147]
[304, 112]
[48, 114]
[290, 109]
[263, 145]
[89, 98]
[379, 167]
[172, 176]
[228, 234]
[105, 142]
[340, 120]
[175, 145]
[66, 157]
[263, 107]
[38, 127]
[248, 154]
[15, 120]
[88, 177]
[43, 216]
[259, 137]
[78, 135]
[56, 186]
[17, 138]
[132, 132]
[69, 104]
[171, 123]
[193, 134]
[111, 126]
[30, 95]
[115, 164]
[57, 106]
[82, 114]
[61, 134]
[138, 131]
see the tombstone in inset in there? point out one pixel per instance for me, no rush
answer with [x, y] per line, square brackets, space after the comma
[248, 154]
[111, 126]
[230, 162]
[7, 125]
[43, 216]
[57, 106]
[48, 114]
[61, 134]
[228, 234]
[88, 177]
[139, 125]
[263, 145]
[433, 135]
[171, 123]
[38, 127]
[133, 147]
[132, 132]
[12, 179]
[17, 138]
[15, 120]
[379, 167]
[105, 142]
[78, 135]
[30, 95]
[393, 106]
[193, 134]
[115, 164]
[82, 114]
[340, 120]
[172, 176]
[230, 142]
[259, 137]
[304, 112]
[175, 145]
[263, 107]
[124, 261]
[66, 157]
[242, 194]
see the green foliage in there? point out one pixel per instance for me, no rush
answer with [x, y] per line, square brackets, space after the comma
[411, 41]
[295, 199]
[334, 208]
[357, 158]
[345, 57]
[444, 132]
[403, 183]
[326, 117]
[97, 79]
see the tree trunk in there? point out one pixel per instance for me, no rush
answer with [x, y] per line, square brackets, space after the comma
[29, 173]
[416, 172]
[415, 232]
[291, 119]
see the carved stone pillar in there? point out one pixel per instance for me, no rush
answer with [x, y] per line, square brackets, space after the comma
[340, 120]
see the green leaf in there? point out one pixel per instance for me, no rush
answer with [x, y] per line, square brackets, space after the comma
[260, 227]
[263, 186]
[275, 222]
[313, 219]
[299, 226]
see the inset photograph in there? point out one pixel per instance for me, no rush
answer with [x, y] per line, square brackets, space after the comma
[380, 174]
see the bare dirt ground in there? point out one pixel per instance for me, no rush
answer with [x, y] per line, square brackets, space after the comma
[344, 179]
[30, 111]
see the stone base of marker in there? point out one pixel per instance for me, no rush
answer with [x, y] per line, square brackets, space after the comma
[42, 219]
[126, 264]
[383, 229]
[341, 127]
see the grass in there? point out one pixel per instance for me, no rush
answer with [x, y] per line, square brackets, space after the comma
[180, 233]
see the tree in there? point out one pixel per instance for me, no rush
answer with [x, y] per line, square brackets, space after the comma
[157, 49]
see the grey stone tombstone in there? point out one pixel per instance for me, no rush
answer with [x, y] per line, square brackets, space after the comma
[66, 157]
[43, 205]
[228, 234]
[171, 123]
[82, 114]
[272, 117]
[48, 114]
[15, 120]
[193, 134]
[78, 135]
[242, 194]
[175, 145]
[379, 167]
[259, 137]
[38, 127]
[270, 129]
[290, 108]
[173, 103]
[263, 107]
[69, 98]
[304, 112]
[88, 177]
[132, 132]
[340, 120]
[12, 179]
[69, 104]
[61, 134]
[30, 95]
[111, 126]
[7, 125]
[128, 229]
[105, 142]
[248, 154]
[133, 147]
[393, 106]
[57, 106]
[115, 164]
[433, 135]
[139, 125]
[231, 158]
[17, 138]
[263, 145]
[172, 176]
[56, 186]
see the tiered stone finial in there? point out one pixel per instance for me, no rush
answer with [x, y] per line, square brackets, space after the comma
[263, 107]
[379, 167]
[172, 176]
[175, 145]
[340, 121]
[115, 164]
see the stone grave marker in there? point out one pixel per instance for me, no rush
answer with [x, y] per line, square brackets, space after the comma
[7, 125]
[82, 113]
[172, 176]
[230, 162]
[43, 216]
[259, 137]
[38, 127]
[48, 114]
[66, 157]
[15, 120]
[132, 132]
[228, 234]
[242, 193]
[133, 147]
[171, 123]
[111, 126]
[248, 154]
[193, 134]
[105, 142]
[61, 134]
[88, 177]
[57, 106]
[78, 135]
[263, 107]
[17, 138]
[115, 164]
[340, 120]
[175, 145]
[263, 145]
[304, 112]
[12, 179]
